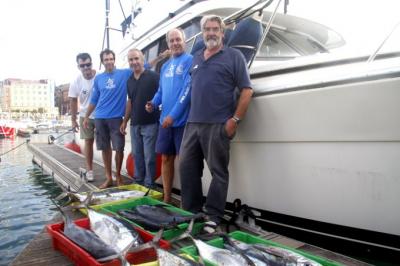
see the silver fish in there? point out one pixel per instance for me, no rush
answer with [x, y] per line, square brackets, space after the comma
[100, 197]
[88, 241]
[218, 255]
[291, 257]
[113, 232]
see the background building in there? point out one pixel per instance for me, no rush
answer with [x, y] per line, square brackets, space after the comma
[26, 97]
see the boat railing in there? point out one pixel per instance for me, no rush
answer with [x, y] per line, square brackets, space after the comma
[375, 53]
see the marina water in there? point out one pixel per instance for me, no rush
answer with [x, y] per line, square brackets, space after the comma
[25, 192]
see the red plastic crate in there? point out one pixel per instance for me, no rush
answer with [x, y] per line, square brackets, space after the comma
[80, 257]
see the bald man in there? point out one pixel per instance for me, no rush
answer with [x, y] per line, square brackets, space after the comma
[173, 95]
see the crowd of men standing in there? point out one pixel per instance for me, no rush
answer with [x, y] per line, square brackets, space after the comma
[187, 110]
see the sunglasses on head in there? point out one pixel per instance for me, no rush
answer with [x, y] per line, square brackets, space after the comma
[85, 65]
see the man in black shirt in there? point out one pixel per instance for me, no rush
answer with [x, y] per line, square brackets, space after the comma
[142, 86]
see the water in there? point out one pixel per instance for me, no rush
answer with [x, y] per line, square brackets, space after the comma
[25, 192]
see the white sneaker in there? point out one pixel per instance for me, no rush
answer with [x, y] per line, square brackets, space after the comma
[89, 176]
[113, 178]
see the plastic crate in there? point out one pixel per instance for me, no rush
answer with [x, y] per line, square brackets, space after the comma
[251, 239]
[80, 257]
[114, 207]
[152, 194]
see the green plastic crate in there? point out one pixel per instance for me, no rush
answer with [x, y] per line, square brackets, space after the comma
[251, 239]
[153, 194]
[114, 207]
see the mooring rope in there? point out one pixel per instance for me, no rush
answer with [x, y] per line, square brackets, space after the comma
[14, 148]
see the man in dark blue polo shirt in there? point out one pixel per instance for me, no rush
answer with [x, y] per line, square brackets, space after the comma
[141, 87]
[213, 120]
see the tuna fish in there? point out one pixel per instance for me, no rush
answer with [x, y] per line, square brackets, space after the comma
[103, 196]
[220, 256]
[114, 232]
[144, 221]
[268, 255]
[155, 217]
[87, 240]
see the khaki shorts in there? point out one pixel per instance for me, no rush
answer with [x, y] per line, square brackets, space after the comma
[86, 133]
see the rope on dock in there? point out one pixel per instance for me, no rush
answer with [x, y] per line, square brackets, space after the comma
[51, 138]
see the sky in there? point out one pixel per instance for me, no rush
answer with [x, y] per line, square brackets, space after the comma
[39, 39]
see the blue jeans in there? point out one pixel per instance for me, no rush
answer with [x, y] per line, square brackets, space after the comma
[143, 139]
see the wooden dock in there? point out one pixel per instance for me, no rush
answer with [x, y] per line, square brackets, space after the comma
[64, 165]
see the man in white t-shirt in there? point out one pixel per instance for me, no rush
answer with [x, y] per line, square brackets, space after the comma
[81, 88]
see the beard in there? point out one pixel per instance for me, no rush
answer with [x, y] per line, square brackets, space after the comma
[212, 43]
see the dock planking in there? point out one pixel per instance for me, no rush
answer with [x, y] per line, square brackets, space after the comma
[64, 165]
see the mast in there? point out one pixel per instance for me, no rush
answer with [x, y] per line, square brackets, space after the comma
[107, 28]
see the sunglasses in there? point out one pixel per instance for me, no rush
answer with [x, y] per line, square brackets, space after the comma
[85, 65]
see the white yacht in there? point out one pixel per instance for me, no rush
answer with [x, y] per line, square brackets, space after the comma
[319, 150]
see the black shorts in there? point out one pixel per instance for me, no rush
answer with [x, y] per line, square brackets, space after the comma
[106, 130]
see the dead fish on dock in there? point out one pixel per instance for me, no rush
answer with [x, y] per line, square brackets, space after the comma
[144, 222]
[113, 232]
[104, 196]
[263, 255]
[165, 257]
[221, 256]
[155, 217]
[87, 240]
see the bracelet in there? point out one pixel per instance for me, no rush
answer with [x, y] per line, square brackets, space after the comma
[236, 119]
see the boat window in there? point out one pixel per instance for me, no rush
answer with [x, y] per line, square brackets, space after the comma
[302, 42]
[151, 52]
[191, 28]
[273, 47]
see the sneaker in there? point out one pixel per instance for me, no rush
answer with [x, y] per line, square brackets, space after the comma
[89, 176]
[211, 227]
[113, 178]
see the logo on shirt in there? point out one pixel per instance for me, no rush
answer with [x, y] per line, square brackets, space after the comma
[195, 67]
[179, 70]
[170, 72]
[110, 84]
[84, 92]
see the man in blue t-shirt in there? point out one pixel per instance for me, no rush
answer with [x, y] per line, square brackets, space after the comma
[172, 95]
[214, 116]
[109, 99]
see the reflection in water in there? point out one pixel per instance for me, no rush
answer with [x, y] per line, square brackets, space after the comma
[25, 192]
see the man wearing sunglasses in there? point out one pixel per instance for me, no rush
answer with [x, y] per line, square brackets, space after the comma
[81, 87]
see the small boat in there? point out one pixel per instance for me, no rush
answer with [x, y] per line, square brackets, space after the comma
[24, 133]
[6, 132]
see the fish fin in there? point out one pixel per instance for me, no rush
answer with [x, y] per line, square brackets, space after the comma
[88, 199]
[158, 236]
[186, 234]
[147, 192]
[144, 246]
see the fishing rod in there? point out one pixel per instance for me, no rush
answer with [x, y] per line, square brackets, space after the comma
[14, 148]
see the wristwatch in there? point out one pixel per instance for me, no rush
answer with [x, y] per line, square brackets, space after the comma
[236, 119]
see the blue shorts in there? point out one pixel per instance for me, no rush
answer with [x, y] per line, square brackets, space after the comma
[169, 140]
[106, 130]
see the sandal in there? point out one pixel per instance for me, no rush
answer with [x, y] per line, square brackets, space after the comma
[106, 184]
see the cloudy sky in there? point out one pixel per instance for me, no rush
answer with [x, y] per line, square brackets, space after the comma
[40, 38]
